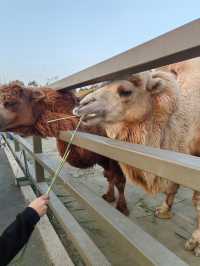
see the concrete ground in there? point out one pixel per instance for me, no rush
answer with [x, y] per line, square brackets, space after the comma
[171, 233]
[11, 203]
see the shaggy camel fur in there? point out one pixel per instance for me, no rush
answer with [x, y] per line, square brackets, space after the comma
[26, 111]
[151, 109]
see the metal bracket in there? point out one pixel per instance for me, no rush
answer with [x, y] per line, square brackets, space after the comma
[22, 181]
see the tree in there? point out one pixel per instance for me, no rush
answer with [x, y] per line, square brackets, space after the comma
[51, 80]
[33, 83]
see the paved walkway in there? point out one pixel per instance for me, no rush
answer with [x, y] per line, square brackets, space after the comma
[12, 202]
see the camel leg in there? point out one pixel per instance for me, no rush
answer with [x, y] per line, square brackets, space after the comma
[115, 177]
[120, 183]
[164, 211]
[194, 242]
[109, 196]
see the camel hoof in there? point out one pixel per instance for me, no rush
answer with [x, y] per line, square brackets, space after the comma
[163, 213]
[123, 209]
[190, 244]
[197, 251]
[108, 198]
[193, 244]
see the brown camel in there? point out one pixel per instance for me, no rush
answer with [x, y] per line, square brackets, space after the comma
[26, 111]
[151, 109]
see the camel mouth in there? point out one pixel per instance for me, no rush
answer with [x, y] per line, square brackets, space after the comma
[86, 116]
[91, 115]
[91, 119]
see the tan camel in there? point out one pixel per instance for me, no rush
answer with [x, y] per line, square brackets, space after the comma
[151, 109]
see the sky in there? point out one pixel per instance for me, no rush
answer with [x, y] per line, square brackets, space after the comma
[44, 39]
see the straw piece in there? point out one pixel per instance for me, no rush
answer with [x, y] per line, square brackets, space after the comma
[64, 158]
[62, 118]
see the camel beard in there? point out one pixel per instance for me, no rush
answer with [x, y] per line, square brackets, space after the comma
[52, 129]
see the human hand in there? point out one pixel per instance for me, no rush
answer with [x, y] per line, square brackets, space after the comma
[40, 205]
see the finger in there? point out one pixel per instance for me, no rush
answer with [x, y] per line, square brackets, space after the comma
[45, 197]
[46, 201]
[43, 200]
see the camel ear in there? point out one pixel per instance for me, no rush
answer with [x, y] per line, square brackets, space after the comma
[37, 95]
[155, 85]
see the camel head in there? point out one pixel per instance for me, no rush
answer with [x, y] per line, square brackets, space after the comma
[17, 104]
[129, 100]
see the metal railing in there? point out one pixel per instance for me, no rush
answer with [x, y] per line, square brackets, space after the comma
[177, 45]
[141, 248]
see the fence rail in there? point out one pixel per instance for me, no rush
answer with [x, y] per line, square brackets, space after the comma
[177, 45]
[177, 167]
[140, 247]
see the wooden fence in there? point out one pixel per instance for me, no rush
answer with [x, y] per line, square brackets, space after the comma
[177, 45]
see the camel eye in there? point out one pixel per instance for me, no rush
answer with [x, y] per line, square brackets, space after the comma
[10, 104]
[124, 93]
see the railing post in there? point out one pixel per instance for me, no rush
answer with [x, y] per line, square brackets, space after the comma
[37, 148]
[16, 145]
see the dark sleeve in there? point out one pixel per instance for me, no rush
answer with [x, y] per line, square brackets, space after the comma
[17, 234]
